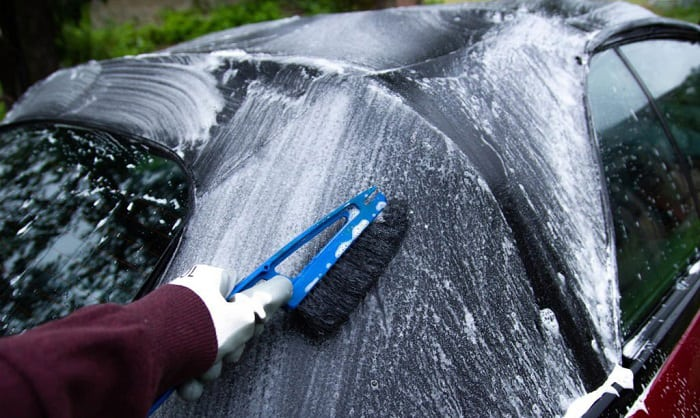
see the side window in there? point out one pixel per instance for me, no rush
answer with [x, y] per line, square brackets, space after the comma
[671, 72]
[656, 224]
[84, 218]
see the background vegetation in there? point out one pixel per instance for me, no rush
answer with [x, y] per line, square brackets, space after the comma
[81, 41]
[74, 38]
[2, 105]
[688, 10]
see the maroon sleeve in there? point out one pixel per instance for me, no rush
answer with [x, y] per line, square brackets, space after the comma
[107, 360]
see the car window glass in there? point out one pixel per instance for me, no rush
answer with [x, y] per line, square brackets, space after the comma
[613, 95]
[84, 218]
[671, 72]
[656, 225]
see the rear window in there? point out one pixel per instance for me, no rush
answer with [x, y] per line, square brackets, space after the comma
[85, 217]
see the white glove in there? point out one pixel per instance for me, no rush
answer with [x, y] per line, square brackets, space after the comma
[236, 321]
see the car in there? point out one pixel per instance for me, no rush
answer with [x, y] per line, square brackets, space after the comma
[546, 152]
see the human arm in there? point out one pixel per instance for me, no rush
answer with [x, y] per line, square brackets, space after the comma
[107, 360]
[113, 360]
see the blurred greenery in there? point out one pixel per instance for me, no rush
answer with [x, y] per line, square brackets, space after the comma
[80, 41]
[675, 9]
[2, 105]
[690, 13]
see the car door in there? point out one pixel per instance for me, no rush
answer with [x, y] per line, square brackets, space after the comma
[644, 104]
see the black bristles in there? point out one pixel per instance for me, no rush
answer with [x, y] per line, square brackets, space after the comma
[345, 285]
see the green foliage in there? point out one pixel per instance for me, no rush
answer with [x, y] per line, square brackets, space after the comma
[689, 14]
[2, 105]
[673, 9]
[313, 7]
[180, 26]
[81, 42]
[334, 6]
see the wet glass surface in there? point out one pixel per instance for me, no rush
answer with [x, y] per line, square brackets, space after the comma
[84, 218]
[671, 72]
[657, 230]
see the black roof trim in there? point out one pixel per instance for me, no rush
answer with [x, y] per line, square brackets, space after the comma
[641, 30]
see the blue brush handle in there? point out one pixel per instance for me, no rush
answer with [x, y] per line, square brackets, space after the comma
[358, 212]
[164, 397]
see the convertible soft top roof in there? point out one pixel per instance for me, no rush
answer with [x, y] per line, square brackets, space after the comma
[503, 299]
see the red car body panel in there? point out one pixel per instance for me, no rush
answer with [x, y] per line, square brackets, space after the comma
[675, 391]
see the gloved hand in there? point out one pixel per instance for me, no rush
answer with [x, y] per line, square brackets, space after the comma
[236, 321]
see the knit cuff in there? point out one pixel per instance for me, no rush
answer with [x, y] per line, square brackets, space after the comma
[182, 333]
